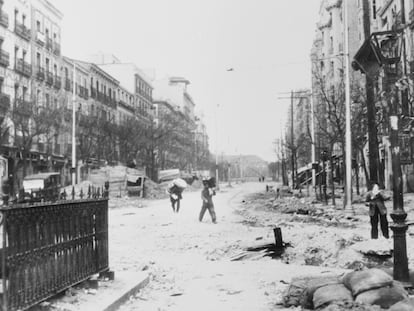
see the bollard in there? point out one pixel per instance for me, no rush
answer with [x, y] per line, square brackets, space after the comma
[278, 237]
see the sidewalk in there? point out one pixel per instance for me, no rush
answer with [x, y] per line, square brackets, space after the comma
[109, 295]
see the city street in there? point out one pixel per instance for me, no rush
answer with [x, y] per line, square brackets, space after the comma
[189, 262]
[192, 265]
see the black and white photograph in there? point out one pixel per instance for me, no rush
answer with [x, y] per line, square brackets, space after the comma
[182, 155]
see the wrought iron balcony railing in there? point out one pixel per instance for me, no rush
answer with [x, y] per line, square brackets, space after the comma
[4, 58]
[23, 107]
[68, 84]
[40, 73]
[57, 82]
[22, 31]
[23, 68]
[49, 78]
[93, 93]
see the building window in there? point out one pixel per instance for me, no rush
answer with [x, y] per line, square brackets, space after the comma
[47, 64]
[47, 97]
[38, 26]
[38, 60]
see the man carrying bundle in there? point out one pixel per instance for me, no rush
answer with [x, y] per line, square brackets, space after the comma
[175, 190]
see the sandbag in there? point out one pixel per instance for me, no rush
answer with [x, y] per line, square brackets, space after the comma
[294, 295]
[331, 293]
[361, 281]
[384, 297]
[180, 183]
[403, 305]
[313, 285]
[349, 306]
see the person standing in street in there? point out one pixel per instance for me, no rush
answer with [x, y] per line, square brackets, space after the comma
[175, 192]
[207, 197]
[377, 211]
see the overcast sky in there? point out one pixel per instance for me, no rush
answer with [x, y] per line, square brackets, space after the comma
[266, 42]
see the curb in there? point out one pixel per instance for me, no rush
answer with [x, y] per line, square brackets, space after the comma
[124, 297]
[117, 292]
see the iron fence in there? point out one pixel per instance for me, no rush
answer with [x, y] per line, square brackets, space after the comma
[48, 247]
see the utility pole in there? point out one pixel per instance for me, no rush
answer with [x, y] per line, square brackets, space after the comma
[292, 141]
[373, 150]
[348, 147]
[74, 126]
[313, 143]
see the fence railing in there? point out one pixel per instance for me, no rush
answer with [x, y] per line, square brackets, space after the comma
[48, 247]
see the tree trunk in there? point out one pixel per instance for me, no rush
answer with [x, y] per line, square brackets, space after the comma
[364, 165]
[332, 180]
[371, 111]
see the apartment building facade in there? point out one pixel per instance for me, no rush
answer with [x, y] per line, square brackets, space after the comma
[328, 69]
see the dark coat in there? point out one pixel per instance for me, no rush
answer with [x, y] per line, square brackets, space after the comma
[376, 201]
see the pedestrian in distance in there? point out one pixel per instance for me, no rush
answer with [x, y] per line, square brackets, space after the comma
[175, 190]
[377, 211]
[207, 197]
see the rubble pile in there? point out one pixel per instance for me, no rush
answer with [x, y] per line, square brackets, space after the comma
[154, 190]
[370, 289]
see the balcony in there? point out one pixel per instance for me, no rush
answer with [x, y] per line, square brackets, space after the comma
[4, 102]
[126, 106]
[4, 58]
[40, 73]
[57, 82]
[23, 107]
[93, 93]
[68, 85]
[40, 38]
[49, 44]
[23, 68]
[49, 78]
[22, 31]
[56, 49]
[83, 92]
[4, 19]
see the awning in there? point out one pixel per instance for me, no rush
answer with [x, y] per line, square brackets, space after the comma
[367, 59]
